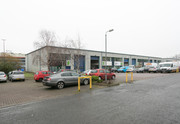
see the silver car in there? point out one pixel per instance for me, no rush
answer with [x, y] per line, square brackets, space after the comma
[3, 77]
[16, 75]
[62, 79]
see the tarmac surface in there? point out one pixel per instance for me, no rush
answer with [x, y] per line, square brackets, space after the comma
[150, 101]
[19, 92]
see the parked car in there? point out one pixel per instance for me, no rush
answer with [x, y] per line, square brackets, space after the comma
[3, 77]
[154, 69]
[131, 68]
[123, 69]
[87, 72]
[38, 76]
[140, 70]
[62, 79]
[114, 69]
[16, 75]
[101, 74]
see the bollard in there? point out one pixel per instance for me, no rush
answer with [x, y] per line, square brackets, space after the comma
[177, 70]
[90, 83]
[126, 77]
[79, 84]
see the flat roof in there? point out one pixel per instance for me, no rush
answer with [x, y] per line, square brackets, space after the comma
[96, 51]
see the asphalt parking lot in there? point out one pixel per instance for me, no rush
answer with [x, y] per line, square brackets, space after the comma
[19, 92]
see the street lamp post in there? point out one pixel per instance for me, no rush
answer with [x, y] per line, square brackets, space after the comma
[106, 52]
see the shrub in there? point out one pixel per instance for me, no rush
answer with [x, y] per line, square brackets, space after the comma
[96, 79]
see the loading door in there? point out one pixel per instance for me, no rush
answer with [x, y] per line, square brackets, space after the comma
[94, 62]
[126, 61]
[134, 62]
[79, 61]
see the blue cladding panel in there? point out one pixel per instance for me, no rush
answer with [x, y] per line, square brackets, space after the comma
[133, 61]
[68, 67]
[94, 57]
[82, 63]
[126, 60]
[150, 61]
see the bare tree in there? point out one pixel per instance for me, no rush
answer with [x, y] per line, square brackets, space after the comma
[46, 38]
[177, 57]
[76, 53]
[58, 54]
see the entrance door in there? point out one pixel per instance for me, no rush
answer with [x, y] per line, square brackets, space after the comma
[94, 62]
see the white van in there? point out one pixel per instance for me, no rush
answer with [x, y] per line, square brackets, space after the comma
[168, 66]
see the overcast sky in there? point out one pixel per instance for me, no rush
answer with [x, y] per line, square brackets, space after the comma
[142, 27]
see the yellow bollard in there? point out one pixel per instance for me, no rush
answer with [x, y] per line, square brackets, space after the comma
[177, 70]
[79, 84]
[132, 76]
[126, 77]
[90, 82]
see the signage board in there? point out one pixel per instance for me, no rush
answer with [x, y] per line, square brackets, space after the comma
[117, 63]
[68, 62]
[109, 63]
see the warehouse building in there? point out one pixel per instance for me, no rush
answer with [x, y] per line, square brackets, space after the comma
[55, 58]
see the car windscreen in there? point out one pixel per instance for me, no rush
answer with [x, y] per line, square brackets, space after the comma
[18, 73]
[1, 73]
[93, 71]
[166, 65]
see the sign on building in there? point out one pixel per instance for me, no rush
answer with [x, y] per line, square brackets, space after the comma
[68, 62]
[109, 63]
[117, 63]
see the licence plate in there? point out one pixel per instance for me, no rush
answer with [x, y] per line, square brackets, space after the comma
[17, 78]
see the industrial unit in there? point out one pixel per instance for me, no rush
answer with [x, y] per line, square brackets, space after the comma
[55, 58]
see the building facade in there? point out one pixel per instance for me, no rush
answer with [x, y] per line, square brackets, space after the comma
[55, 58]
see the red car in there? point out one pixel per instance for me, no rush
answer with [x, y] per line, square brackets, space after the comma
[38, 76]
[101, 74]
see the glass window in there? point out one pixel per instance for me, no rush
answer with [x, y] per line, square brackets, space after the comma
[1, 73]
[107, 71]
[75, 74]
[101, 71]
[18, 72]
[50, 73]
[108, 59]
[117, 59]
[44, 73]
[93, 71]
[37, 73]
[66, 74]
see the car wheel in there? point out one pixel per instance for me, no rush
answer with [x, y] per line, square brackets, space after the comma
[113, 77]
[60, 85]
[86, 82]
[40, 79]
[100, 78]
[23, 80]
